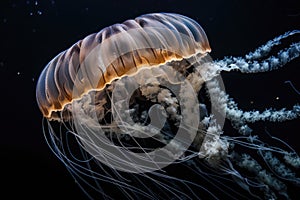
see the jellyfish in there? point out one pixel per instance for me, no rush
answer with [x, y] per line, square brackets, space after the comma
[140, 106]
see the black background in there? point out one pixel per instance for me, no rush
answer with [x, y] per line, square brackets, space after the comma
[33, 32]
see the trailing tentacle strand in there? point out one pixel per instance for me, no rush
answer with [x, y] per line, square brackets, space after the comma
[266, 48]
[249, 63]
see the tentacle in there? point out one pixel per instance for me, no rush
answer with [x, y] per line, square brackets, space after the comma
[274, 62]
[266, 48]
[249, 63]
[240, 118]
[235, 113]
[293, 87]
[292, 159]
[264, 177]
[279, 168]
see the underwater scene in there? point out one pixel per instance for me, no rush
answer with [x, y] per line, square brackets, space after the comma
[150, 99]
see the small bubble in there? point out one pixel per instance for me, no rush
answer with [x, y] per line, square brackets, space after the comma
[39, 12]
[18, 73]
[30, 13]
[32, 79]
[251, 102]
[36, 3]
[277, 98]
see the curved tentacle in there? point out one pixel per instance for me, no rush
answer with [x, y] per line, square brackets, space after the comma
[249, 63]
[266, 48]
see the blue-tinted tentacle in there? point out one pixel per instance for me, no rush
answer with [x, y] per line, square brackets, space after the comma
[251, 64]
[265, 49]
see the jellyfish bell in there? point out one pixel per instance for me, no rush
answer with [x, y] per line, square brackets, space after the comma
[144, 94]
[162, 37]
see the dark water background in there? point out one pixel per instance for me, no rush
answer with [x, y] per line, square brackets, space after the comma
[33, 32]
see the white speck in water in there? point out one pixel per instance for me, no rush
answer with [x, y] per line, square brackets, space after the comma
[36, 3]
[39, 12]
[18, 73]
[30, 13]
[277, 98]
